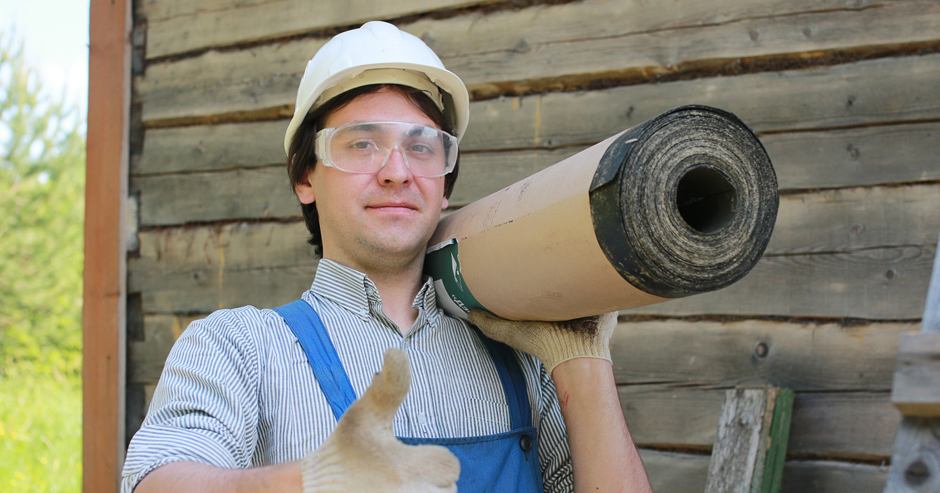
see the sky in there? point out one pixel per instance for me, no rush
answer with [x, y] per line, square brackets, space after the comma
[55, 37]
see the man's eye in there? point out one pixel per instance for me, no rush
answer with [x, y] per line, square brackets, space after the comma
[361, 145]
[420, 148]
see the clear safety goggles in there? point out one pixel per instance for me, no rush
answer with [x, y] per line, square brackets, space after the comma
[367, 147]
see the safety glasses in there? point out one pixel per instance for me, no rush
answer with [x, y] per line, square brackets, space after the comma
[367, 147]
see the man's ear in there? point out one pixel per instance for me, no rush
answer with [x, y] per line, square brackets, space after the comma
[304, 189]
[444, 203]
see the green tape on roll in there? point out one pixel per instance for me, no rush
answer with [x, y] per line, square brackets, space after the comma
[442, 263]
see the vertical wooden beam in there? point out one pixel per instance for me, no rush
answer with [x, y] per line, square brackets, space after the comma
[915, 465]
[751, 444]
[103, 370]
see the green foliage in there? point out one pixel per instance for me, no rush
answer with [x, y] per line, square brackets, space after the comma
[42, 181]
[40, 433]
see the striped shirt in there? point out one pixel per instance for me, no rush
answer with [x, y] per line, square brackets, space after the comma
[237, 390]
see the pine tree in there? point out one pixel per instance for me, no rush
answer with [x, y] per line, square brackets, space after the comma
[42, 175]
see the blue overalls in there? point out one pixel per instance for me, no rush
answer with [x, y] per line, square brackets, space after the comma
[503, 462]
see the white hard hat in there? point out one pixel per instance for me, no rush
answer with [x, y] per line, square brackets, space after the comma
[379, 53]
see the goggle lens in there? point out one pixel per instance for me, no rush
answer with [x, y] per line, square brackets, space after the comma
[367, 147]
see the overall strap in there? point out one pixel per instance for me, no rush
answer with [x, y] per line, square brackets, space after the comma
[305, 323]
[514, 386]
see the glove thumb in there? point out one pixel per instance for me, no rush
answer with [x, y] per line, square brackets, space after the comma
[381, 400]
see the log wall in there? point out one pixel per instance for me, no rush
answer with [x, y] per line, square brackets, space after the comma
[843, 94]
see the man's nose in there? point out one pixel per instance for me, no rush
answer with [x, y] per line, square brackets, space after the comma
[396, 168]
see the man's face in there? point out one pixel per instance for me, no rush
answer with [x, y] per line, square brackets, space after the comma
[383, 219]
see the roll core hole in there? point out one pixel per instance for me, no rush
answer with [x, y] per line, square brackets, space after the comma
[705, 199]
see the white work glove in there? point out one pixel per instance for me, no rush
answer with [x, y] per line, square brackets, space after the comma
[552, 342]
[363, 454]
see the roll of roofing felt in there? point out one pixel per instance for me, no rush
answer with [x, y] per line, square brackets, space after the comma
[682, 204]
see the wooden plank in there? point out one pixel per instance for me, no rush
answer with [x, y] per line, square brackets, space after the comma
[851, 425]
[683, 473]
[835, 158]
[802, 356]
[856, 218]
[745, 458]
[212, 147]
[561, 23]
[832, 477]
[231, 195]
[864, 93]
[882, 283]
[857, 156]
[859, 425]
[915, 465]
[905, 86]
[235, 22]
[197, 270]
[267, 76]
[706, 46]
[856, 224]
[104, 284]
[167, 199]
[916, 387]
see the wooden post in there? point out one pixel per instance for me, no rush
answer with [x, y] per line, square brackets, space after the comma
[103, 370]
[751, 445]
[915, 465]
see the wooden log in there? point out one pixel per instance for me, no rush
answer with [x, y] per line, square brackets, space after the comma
[683, 473]
[749, 451]
[807, 356]
[249, 193]
[916, 460]
[181, 27]
[915, 465]
[861, 156]
[893, 90]
[857, 223]
[916, 388]
[803, 476]
[848, 219]
[851, 425]
[638, 55]
[561, 23]
[265, 77]
[883, 283]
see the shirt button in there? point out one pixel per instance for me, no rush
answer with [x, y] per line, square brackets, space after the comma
[422, 419]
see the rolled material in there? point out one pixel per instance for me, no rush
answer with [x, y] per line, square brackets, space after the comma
[682, 204]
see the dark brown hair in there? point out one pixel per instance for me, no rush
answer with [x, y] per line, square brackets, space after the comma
[301, 159]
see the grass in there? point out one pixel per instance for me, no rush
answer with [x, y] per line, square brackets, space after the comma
[40, 431]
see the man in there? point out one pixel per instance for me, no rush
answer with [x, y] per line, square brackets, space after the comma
[277, 400]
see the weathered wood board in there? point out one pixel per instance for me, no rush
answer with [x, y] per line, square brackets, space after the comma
[177, 198]
[916, 386]
[915, 467]
[267, 76]
[683, 473]
[178, 26]
[881, 283]
[850, 157]
[826, 244]
[809, 356]
[859, 425]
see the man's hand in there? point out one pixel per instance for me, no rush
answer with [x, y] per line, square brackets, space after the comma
[363, 454]
[552, 342]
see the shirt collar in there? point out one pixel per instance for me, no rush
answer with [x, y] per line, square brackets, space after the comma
[355, 292]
